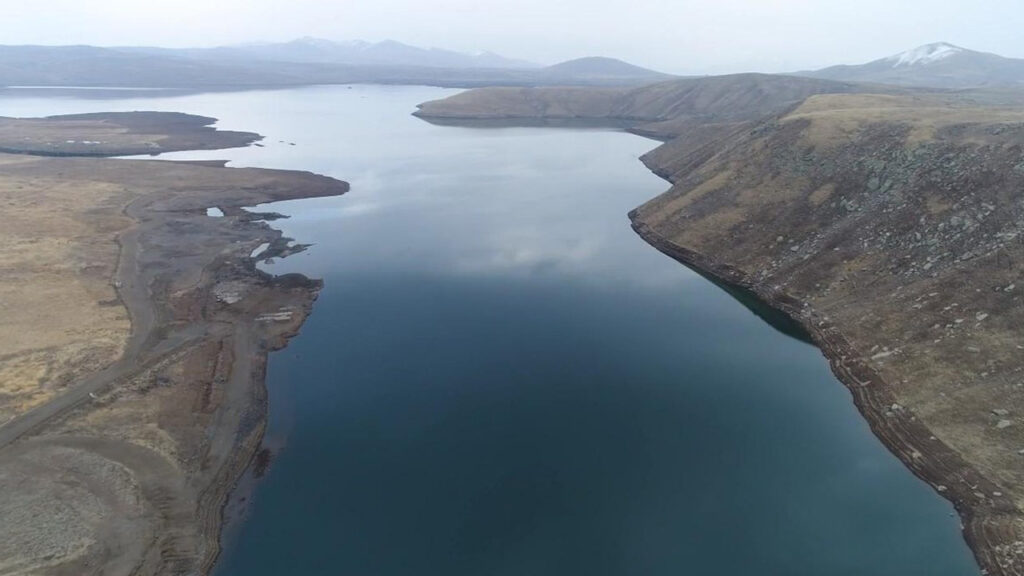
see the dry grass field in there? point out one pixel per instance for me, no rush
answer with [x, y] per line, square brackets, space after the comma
[115, 134]
[60, 317]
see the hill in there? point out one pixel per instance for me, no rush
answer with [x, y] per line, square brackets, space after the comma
[939, 65]
[889, 226]
[662, 110]
[599, 68]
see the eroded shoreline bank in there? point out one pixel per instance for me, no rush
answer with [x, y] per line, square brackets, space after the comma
[989, 526]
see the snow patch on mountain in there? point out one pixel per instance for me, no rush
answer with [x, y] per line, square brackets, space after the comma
[926, 54]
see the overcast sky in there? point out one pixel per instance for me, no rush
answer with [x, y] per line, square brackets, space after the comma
[680, 36]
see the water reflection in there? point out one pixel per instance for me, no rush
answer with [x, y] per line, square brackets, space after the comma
[501, 378]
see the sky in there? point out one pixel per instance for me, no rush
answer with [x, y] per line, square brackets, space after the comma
[676, 36]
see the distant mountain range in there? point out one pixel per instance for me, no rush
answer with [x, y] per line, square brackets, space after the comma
[309, 61]
[939, 65]
[301, 62]
[355, 53]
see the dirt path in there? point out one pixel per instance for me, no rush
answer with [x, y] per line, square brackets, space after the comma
[87, 389]
[142, 349]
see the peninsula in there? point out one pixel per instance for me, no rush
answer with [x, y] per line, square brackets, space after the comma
[135, 331]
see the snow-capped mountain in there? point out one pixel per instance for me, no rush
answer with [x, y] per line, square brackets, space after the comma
[926, 54]
[938, 65]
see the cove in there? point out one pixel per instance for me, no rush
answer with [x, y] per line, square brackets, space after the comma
[500, 377]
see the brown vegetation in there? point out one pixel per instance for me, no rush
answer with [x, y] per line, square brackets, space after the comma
[662, 111]
[115, 134]
[890, 226]
[119, 442]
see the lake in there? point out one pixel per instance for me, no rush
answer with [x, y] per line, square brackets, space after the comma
[501, 378]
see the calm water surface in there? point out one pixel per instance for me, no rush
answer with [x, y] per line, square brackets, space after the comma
[500, 378]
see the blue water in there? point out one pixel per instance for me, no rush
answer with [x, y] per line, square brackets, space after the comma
[500, 378]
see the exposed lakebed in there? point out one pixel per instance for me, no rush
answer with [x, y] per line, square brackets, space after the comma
[500, 377]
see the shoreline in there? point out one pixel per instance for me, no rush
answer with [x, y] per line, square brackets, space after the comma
[213, 510]
[157, 440]
[299, 292]
[986, 521]
[241, 435]
[199, 318]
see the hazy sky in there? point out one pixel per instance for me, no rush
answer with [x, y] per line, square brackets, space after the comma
[681, 36]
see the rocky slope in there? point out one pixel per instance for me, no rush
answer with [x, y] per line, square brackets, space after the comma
[891, 228]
